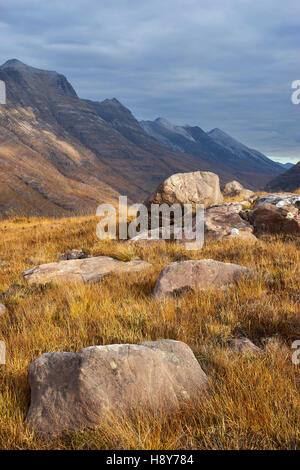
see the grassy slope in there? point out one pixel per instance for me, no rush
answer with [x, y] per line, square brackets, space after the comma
[255, 401]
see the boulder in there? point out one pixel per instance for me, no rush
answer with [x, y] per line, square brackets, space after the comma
[243, 345]
[234, 188]
[225, 221]
[3, 309]
[73, 391]
[197, 274]
[86, 270]
[199, 187]
[271, 219]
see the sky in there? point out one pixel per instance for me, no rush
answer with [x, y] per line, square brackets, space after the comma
[227, 63]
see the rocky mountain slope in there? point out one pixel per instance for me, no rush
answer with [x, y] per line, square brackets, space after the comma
[60, 154]
[223, 154]
[288, 181]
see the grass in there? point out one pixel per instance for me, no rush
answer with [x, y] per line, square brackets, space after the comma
[255, 401]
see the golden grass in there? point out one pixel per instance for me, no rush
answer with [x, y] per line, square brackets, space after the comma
[255, 400]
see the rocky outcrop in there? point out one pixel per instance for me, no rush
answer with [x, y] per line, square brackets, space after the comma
[85, 270]
[200, 187]
[197, 274]
[278, 200]
[72, 391]
[235, 189]
[271, 219]
[225, 221]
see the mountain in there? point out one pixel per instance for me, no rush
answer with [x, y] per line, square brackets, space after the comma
[61, 155]
[58, 155]
[221, 152]
[288, 181]
[287, 166]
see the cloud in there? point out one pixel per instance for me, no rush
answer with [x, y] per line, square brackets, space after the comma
[227, 64]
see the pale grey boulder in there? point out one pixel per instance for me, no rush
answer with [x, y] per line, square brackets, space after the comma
[85, 270]
[236, 189]
[199, 187]
[197, 274]
[72, 391]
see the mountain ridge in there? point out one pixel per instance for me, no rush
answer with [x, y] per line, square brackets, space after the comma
[288, 181]
[60, 154]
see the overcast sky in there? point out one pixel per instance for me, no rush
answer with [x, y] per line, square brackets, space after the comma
[221, 63]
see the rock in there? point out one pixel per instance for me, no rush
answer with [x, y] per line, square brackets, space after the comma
[197, 274]
[225, 222]
[72, 391]
[243, 345]
[271, 219]
[234, 188]
[278, 199]
[199, 187]
[3, 309]
[86, 270]
[74, 254]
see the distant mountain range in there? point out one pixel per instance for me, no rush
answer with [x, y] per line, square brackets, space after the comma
[60, 154]
[287, 166]
[223, 154]
[288, 181]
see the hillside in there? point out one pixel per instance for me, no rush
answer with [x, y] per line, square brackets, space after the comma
[59, 156]
[223, 154]
[288, 181]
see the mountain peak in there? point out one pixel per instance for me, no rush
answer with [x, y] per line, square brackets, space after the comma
[16, 73]
[217, 131]
[16, 64]
[13, 63]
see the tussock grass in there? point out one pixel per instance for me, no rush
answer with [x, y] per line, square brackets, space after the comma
[254, 402]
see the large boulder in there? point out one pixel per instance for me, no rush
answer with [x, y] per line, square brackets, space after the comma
[274, 219]
[86, 270]
[72, 391]
[235, 189]
[199, 187]
[225, 221]
[197, 274]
